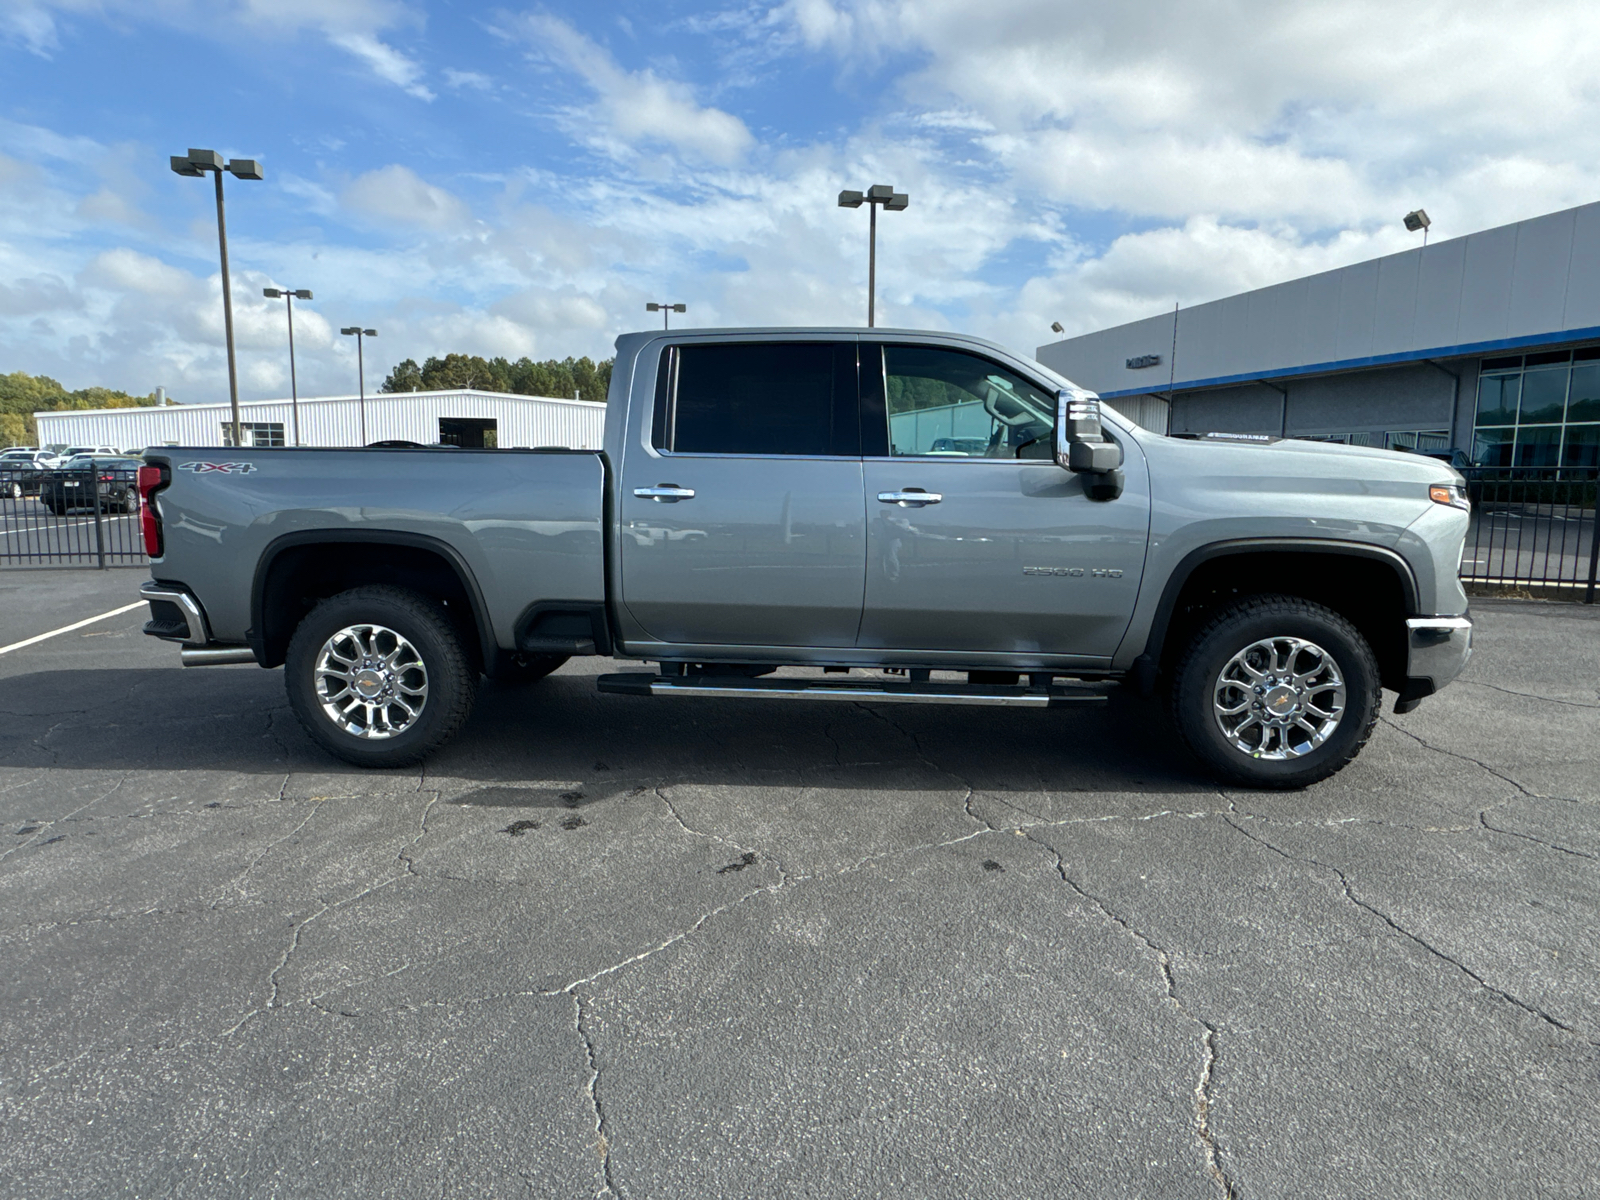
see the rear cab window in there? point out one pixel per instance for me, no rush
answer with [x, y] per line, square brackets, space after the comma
[785, 398]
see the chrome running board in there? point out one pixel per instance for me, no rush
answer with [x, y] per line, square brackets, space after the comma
[863, 692]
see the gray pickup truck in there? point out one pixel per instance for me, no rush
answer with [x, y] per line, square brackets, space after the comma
[874, 516]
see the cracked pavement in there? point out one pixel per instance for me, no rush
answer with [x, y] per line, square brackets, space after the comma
[614, 946]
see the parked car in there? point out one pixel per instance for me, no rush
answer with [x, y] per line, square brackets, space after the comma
[74, 451]
[21, 468]
[775, 498]
[114, 479]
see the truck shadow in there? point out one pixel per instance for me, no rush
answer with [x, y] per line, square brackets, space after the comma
[530, 745]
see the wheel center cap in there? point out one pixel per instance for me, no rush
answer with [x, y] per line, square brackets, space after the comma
[1281, 700]
[369, 682]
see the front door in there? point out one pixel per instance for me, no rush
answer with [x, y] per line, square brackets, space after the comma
[744, 525]
[1007, 555]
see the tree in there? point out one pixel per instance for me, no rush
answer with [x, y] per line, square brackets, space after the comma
[406, 377]
[22, 395]
[581, 377]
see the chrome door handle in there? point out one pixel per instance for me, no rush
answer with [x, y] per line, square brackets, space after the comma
[912, 498]
[666, 493]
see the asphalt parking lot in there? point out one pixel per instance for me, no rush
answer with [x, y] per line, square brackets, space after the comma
[718, 948]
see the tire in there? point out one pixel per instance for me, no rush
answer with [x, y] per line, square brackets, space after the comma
[417, 659]
[16, 490]
[1266, 651]
[527, 668]
[130, 501]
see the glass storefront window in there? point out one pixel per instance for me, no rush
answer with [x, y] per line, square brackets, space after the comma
[1583, 446]
[1585, 402]
[1492, 447]
[1539, 411]
[1538, 446]
[1497, 399]
[1544, 395]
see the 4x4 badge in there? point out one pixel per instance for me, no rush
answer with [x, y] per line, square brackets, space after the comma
[233, 468]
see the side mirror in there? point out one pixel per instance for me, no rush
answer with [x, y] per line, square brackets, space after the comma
[1082, 447]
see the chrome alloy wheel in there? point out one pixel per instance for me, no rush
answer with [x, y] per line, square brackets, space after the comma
[370, 681]
[1279, 698]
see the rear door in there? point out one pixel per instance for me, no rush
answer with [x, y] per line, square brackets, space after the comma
[1006, 555]
[743, 523]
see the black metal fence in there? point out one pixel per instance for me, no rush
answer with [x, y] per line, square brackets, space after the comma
[78, 518]
[1533, 529]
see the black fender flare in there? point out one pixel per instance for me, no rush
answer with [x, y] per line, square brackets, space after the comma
[1147, 665]
[380, 537]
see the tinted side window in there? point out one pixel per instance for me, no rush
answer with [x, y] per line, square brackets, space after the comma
[759, 398]
[950, 403]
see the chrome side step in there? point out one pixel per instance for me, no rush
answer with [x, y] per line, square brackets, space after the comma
[864, 691]
[216, 656]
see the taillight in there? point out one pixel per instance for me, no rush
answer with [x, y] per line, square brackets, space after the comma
[151, 480]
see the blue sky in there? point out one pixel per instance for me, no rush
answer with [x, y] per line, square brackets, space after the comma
[520, 179]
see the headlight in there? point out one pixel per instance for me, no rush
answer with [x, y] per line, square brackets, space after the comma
[1452, 494]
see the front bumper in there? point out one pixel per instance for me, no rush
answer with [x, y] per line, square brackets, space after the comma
[1437, 650]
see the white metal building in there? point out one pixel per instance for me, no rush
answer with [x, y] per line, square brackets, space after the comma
[461, 418]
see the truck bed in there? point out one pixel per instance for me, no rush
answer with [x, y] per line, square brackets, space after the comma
[525, 524]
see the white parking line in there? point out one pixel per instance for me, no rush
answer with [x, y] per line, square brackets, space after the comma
[69, 628]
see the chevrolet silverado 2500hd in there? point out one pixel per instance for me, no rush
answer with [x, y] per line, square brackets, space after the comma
[906, 517]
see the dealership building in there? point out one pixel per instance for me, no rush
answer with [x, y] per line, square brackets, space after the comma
[1488, 343]
[456, 418]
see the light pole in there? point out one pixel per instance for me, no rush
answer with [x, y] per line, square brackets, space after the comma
[196, 163]
[1418, 220]
[359, 333]
[878, 193]
[294, 388]
[665, 309]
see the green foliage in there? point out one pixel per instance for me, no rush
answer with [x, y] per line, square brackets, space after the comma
[22, 395]
[586, 379]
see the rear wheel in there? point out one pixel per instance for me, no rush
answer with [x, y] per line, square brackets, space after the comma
[378, 677]
[1276, 692]
[16, 490]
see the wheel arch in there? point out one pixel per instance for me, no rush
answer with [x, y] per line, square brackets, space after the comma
[1375, 589]
[298, 569]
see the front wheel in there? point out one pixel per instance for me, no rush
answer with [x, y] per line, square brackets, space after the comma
[1276, 692]
[378, 677]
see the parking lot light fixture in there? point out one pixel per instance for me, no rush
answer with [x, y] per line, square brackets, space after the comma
[359, 334]
[1416, 220]
[1055, 327]
[665, 309]
[878, 195]
[193, 165]
[289, 298]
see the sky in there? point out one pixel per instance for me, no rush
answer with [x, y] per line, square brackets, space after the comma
[504, 179]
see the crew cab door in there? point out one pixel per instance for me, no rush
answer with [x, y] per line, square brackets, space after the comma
[742, 522]
[1006, 555]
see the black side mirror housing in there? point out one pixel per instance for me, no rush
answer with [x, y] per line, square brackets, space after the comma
[1083, 448]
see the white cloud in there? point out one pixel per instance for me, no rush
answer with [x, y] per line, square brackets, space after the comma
[396, 194]
[468, 79]
[640, 106]
[386, 62]
[30, 25]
